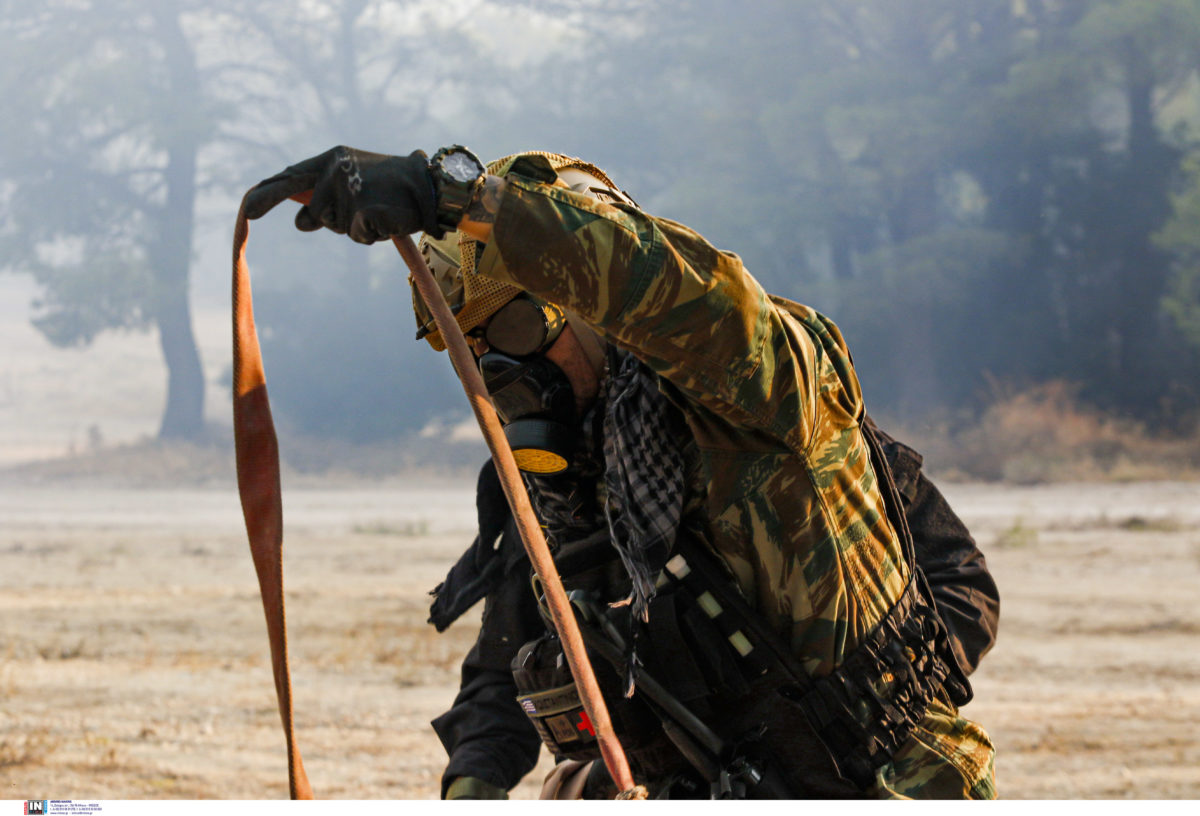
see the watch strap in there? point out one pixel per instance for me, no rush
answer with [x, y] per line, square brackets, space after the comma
[453, 195]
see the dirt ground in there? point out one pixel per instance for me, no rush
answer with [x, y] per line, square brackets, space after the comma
[135, 654]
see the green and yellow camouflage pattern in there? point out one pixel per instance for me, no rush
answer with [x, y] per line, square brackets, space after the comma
[768, 390]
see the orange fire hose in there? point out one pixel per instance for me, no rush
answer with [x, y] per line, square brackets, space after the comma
[257, 451]
[259, 486]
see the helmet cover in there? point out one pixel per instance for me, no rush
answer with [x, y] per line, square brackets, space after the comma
[472, 297]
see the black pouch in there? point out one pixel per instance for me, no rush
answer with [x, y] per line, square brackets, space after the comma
[548, 696]
[551, 700]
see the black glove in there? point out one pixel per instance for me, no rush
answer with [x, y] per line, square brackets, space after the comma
[366, 195]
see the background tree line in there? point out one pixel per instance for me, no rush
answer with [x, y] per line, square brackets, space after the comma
[977, 191]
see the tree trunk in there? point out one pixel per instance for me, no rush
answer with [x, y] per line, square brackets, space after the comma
[183, 415]
[1142, 269]
[920, 385]
[913, 216]
[839, 228]
[913, 212]
[171, 251]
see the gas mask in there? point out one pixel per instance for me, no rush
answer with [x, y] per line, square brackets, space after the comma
[534, 400]
[532, 395]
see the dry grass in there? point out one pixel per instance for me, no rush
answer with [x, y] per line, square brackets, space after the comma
[1035, 435]
[305, 460]
[1045, 434]
[1140, 524]
[394, 636]
[143, 464]
[32, 747]
[148, 677]
[407, 529]
[1019, 534]
[103, 753]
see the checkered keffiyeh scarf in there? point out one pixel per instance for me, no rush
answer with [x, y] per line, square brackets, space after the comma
[643, 474]
[642, 440]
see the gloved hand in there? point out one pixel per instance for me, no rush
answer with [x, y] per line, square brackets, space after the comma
[366, 195]
[468, 787]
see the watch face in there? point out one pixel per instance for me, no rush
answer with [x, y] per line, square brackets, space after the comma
[460, 167]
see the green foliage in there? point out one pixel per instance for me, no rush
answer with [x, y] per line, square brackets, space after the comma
[1181, 237]
[973, 189]
[343, 363]
[968, 187]
[88, 166]
[107, 118]
[1183, 303]
[108, 292]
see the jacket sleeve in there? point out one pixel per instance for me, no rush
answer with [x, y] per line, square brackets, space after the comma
[485, 732]
[964, 591]
[691, 312]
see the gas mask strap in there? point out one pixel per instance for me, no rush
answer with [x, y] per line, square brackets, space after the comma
[591, 341]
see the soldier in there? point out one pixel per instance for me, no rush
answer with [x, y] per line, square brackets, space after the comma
[699, 454]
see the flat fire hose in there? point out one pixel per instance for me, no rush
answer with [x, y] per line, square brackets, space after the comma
[259, 485]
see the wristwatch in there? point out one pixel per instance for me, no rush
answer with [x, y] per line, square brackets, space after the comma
[456, 173]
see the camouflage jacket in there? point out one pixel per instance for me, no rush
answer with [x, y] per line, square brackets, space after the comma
[772, 399]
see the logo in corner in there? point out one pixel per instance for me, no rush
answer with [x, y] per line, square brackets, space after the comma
[36, 807]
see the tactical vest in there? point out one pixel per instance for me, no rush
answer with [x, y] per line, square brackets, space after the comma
[732, 711]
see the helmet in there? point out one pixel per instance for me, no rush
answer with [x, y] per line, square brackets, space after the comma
[472, 297]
